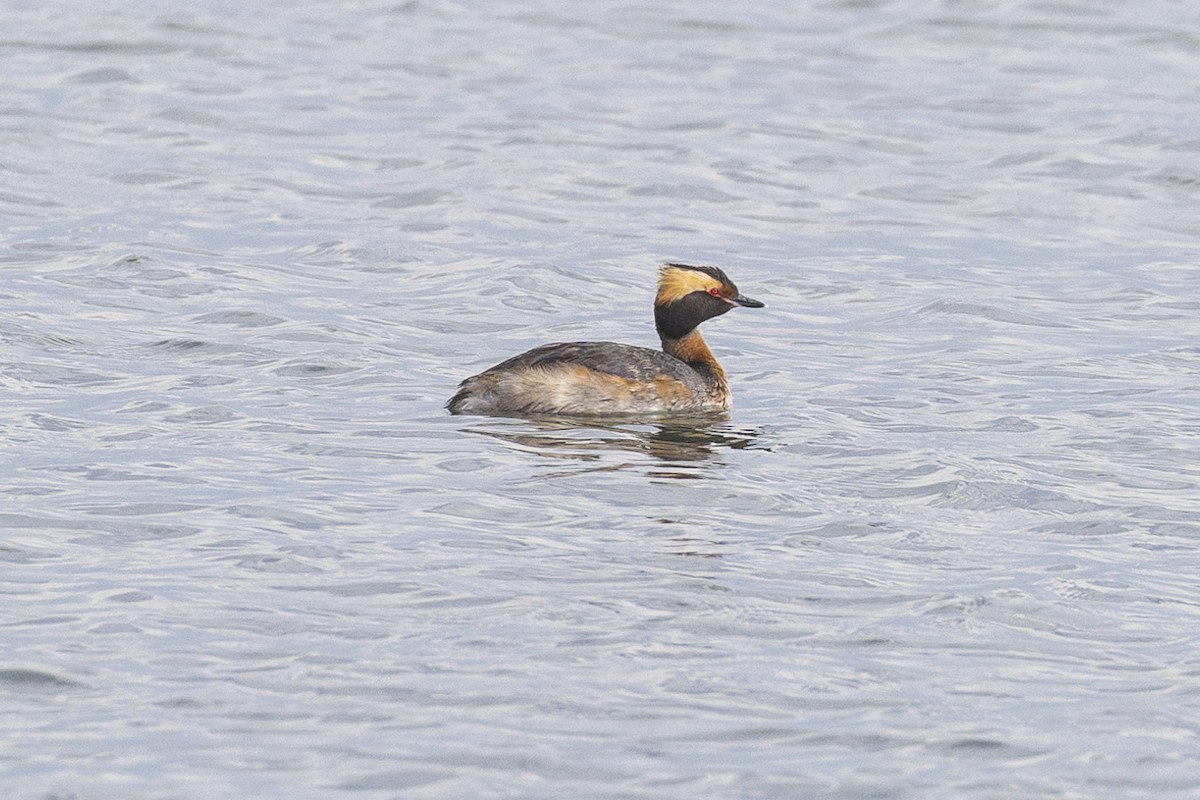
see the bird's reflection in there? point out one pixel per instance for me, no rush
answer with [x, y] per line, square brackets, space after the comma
[682, 441]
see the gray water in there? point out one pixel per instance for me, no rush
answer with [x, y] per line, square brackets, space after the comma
[945, 546]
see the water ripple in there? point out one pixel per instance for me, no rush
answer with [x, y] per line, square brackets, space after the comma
[952, 515]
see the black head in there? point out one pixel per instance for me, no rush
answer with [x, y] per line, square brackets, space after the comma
[689, 295]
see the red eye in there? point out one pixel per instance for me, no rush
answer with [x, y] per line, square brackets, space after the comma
[715, 292]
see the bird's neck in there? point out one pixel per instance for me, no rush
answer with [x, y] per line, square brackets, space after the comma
[692, 350]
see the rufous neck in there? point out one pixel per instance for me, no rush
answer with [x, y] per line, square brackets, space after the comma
[693, 350]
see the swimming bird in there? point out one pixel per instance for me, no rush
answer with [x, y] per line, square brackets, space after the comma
[590, 378]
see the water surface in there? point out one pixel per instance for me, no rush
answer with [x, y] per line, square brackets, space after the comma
[945, 545]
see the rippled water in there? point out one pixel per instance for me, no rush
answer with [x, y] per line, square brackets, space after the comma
[946, 545]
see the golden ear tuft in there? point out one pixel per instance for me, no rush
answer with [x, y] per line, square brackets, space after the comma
[677, 281]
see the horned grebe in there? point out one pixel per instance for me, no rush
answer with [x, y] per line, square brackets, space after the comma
[610, 378]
